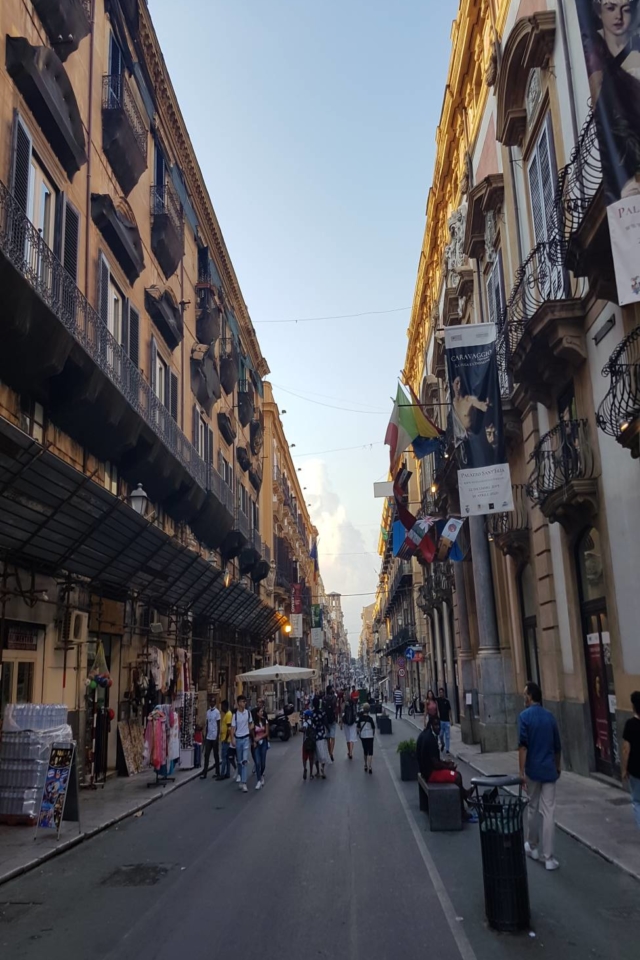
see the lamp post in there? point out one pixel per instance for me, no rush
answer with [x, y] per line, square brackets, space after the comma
[139, 500]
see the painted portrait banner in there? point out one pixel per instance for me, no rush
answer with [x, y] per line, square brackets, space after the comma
[610, 31]
[484, 478]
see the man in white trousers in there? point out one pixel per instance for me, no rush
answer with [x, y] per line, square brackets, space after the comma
[539, 751]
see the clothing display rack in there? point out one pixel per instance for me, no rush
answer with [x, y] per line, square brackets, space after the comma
[162, 743]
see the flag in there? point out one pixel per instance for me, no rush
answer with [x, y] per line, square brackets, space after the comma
[314, 556]
[384, 533]
[448, 534]
[409, 423]
[429, 435]
[416, 531]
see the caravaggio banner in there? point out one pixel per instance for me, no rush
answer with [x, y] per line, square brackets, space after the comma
[610, 31]
[484, 479]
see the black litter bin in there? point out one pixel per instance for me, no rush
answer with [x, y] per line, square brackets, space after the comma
[504, 865]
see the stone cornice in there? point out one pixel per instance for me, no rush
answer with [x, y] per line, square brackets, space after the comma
[170, 112]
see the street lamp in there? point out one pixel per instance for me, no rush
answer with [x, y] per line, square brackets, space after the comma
[287, 628]
[139, 500]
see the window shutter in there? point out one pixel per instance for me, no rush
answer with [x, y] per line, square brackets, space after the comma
[153, 377]
[71, 239]
[546, 176]
[195, 423]
[210, 437]
[134, 336]
[537, 203]
[221, 465]
[21, 167]
[103, 289]
[500, 287]
[173, 395]
[125, 326]
[491, 298]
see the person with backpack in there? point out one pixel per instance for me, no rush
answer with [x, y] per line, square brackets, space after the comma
[308, 744]
[330, 706]
[349, 723]
[367, 731]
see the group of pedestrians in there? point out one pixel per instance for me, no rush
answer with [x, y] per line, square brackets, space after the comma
[241, 734]
[319, 728]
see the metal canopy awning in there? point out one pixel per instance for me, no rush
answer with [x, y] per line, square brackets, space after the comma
[57, 520]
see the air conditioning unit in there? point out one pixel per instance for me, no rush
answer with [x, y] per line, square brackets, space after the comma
[74, 626]
[155, 627]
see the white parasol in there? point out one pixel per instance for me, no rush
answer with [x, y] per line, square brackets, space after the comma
[277, 672]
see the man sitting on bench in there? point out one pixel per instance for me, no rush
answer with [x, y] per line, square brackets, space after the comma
[435, 770]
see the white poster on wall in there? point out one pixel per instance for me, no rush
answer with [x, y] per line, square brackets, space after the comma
[317, 637]
[624, 229]
[296, 625]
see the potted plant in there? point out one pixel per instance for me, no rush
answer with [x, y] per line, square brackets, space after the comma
[408, 760]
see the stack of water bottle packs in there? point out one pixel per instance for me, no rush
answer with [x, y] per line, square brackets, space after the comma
[28, 731]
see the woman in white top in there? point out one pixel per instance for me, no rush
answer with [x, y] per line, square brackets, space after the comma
[367, 731]
[241, 737]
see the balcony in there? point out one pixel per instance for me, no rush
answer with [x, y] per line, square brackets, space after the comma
[544, 332]
[166, 313]
[246, 402]
[255, 475]
[256, 435]
[66, 23]
[510, 531]
[209, 314]
[400, 578]
[46, 88]
[619, 413]
[124, 133]
[92, 391]
[243, 458]
[227, 425]
[563, 482]
[119, 229]
[205, 379]
[581, 215]
[229, 368]
[167, 241]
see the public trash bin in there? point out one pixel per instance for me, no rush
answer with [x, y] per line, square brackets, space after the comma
[384, 724]
[504, 866]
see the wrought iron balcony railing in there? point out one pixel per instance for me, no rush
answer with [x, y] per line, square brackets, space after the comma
[621, 405]
[242, 523]
[117, 95]
[25, 249]
[165, 201]
[578, 183]
[541, 278]
[562, 455]
[516, 520]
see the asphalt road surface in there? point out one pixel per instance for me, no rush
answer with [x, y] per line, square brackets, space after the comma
[340, 868]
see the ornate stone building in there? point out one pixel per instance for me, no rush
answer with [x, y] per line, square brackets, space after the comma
[516, 234]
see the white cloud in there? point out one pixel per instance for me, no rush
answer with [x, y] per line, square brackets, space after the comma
[345, 565]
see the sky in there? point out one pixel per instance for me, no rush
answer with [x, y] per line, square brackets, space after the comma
[314, 125]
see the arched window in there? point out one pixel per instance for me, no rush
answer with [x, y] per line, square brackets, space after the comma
[527, 588]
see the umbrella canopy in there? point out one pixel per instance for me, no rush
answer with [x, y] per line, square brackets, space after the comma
[277, 672]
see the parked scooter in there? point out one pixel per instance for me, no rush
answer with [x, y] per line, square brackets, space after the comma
[416, 707]
[280, 726]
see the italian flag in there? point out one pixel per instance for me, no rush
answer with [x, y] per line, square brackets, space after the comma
[408, 424]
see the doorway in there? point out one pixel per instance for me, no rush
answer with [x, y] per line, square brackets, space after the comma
[597, 647]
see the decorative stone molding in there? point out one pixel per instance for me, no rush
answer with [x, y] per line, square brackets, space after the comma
[485, 198]
[529, 45]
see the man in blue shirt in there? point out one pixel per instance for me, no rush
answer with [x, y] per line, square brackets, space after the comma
[539, 750]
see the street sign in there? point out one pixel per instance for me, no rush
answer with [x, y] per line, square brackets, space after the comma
[400, 661]
[401, 672]
[410, 653]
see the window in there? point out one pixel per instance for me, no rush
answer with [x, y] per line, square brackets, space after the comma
[116, 64]
[111, 477]
[255, 515]
[243, 500]
[164, 383]
[32, 419]
[529, 622]
[495, 290]
[226, 471]
[202, 435]
[120, 318]
[542, 176]
[40, 203]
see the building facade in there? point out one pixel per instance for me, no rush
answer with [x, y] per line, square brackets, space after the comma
[516, 234]
[132, 414]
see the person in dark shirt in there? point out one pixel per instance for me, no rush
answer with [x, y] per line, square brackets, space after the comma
[435, 770]
[444, 711]
[539, 752]
[630, 767]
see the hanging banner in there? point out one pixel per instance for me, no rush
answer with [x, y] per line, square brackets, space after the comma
[317, 637]
[484, 479]
[316, 616]
[296, 598]
[610, 31]
[448, 537]
[296, 626]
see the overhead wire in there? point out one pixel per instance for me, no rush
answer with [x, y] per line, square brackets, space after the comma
[376, 413]
[340, 316]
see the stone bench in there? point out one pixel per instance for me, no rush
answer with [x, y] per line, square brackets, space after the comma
[441, 801]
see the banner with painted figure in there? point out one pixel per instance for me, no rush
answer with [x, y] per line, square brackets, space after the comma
[610, 31]
[484, 479]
